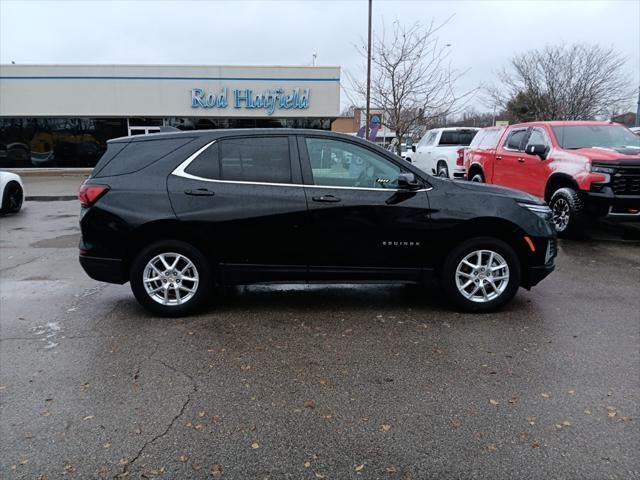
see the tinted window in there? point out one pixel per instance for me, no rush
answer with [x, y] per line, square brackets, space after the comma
[537, 137]
[342, 164]
[258, 159]
[113, 149]
[585, 136]
[207, 164]
[514, 140]
[138, 155]
[457, 137]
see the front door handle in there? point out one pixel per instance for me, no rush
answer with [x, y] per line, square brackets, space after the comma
[521, 160]
[326, 199]
[498, 157]
[200, 192]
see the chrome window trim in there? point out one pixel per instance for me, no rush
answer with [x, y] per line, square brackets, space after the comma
[179, 171]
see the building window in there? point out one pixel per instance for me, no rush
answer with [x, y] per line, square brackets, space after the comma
[56, 142]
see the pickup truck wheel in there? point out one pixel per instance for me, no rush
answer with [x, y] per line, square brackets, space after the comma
[170, 278]
[443, 170]
[477, 177]
[569, 215]
[481, 274]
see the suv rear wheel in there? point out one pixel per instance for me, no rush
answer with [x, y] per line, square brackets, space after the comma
[569, 216]
[481, 274]
[170, 278]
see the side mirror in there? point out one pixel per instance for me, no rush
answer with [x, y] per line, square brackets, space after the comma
[407, 181]
[538, 149]
[413, 148]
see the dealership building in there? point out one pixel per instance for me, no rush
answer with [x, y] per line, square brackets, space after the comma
[62, 115]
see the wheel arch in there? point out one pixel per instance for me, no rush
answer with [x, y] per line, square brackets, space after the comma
[556, 181]
[168, 229]
[495, 227]
[475, 168]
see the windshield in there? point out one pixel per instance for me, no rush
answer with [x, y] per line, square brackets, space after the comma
[587, 136]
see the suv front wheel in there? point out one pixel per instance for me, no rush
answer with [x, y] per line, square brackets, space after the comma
[481, 274]
[170, 278]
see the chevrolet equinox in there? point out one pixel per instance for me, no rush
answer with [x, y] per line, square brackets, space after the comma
[177, 213]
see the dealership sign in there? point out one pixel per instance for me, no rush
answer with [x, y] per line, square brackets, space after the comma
[268, 100]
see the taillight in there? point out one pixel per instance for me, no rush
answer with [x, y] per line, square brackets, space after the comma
[460, 159]
[90, 194]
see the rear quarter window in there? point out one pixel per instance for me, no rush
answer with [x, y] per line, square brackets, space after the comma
[138, 155]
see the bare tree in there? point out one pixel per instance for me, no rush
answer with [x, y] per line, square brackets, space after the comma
[411, 78]
[575, 82]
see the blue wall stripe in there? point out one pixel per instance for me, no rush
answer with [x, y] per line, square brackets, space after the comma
[252, 79]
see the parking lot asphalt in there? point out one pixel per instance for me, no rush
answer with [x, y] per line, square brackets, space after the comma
[313, 382]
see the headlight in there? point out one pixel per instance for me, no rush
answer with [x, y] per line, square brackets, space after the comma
[599, 169]
[541, 210]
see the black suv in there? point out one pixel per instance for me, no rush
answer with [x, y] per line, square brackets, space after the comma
[176, 213]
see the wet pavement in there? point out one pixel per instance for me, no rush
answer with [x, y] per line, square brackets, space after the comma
[312, 382]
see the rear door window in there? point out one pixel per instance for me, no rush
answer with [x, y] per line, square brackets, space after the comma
[515, 139]
[259, 159]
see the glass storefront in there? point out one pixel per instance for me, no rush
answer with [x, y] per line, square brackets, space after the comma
[80, 142]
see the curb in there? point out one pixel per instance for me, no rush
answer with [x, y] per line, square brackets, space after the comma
[51, 198]
[50, 172]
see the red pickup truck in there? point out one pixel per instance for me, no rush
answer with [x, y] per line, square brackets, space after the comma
[583, 169]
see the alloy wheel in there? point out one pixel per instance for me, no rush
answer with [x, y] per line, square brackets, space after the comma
[477, 178]
[482, 276]
[170, 279]
[561, 214]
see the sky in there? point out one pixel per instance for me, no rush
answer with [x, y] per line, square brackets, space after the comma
[483, 35]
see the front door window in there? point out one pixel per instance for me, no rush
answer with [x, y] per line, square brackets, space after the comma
[342, 164]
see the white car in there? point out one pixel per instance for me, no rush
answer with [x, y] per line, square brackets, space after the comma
[441, 151]
[11, 192]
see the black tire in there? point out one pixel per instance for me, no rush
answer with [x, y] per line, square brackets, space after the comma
[12, 198]
[202, 290]
[443, 170]
[477, 177]
[455, 258]
[569, 214]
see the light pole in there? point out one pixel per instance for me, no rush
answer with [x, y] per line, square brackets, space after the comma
[638, 110]
[366, 119]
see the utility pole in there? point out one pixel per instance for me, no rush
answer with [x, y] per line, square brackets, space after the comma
[366, 119]
[638, 110]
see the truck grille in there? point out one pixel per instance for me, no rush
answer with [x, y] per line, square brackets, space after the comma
[626, 181]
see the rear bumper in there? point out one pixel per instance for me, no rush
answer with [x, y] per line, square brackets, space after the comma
[110, 270]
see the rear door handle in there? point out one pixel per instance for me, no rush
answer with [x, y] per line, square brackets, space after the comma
[200, 192]
[326, 199]
[498, 157]
[521, 160]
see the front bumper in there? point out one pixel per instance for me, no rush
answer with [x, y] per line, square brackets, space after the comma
[110, 270]
[615, 205]
[535, 275]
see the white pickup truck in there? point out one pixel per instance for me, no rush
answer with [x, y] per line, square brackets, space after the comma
[441, 151]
